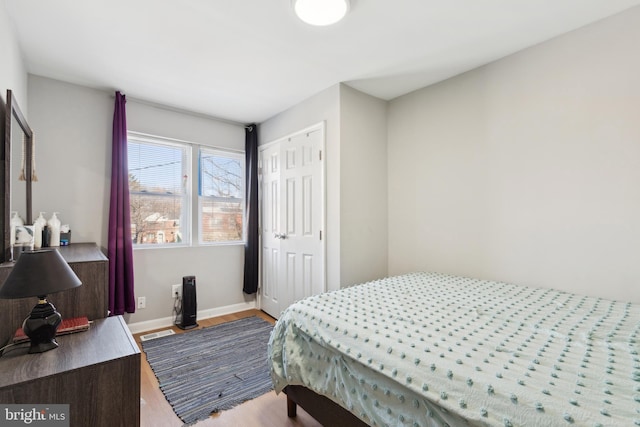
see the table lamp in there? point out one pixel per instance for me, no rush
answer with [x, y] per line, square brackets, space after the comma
[39, 273]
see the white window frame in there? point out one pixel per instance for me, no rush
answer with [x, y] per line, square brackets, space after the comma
[230, 154]
[191, 215]
[185, 214]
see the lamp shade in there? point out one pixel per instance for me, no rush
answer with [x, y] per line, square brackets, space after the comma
[39, 273]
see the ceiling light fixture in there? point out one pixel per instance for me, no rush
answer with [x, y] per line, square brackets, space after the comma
[321, 12]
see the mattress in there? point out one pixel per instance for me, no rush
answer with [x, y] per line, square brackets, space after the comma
[428, 349]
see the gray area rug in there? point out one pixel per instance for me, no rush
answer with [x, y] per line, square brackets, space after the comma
[212, 369]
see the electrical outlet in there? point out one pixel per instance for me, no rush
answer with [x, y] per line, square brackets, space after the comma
[176, 289]
[142, 302]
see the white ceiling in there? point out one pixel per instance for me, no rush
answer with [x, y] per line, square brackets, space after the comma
[247, 60]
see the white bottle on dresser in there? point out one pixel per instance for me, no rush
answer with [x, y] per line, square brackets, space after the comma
[54, 230]
[15, 222]
[38, 225]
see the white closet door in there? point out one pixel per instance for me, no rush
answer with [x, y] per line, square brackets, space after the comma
[293, 265]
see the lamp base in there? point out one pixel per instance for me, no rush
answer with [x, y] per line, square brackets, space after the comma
[41, 326]
[43, 346]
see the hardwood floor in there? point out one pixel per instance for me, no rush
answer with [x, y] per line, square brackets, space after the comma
[267, 410]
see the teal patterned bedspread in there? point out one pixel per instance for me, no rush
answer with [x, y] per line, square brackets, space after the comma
[428, 349]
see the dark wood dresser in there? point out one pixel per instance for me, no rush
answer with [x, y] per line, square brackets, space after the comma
[95, 372]
[90, 299]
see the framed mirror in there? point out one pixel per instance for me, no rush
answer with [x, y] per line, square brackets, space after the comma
[16, 163]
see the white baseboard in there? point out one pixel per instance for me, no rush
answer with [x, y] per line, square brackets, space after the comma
[149, 325]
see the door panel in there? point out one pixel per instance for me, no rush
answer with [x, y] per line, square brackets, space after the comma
[269, 165]
[290, 209]
[307, 214]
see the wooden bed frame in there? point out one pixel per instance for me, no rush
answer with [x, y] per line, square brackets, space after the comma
[324, 410]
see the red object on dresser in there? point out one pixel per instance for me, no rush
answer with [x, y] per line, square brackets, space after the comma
[68, 326]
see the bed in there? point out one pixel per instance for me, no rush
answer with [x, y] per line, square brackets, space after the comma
[429, 349]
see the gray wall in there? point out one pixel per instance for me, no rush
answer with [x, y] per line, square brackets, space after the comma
[73, 124]
[218, 269]
[12, 71]
[363, 187]
[526, 170]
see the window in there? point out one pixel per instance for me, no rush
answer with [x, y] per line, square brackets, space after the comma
[221, 191]
[160, 183]
[159, 190]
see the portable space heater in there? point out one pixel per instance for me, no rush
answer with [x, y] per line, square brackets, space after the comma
[189, 303]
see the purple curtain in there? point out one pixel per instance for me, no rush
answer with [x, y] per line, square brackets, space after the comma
[251, 246]
[120, 250]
